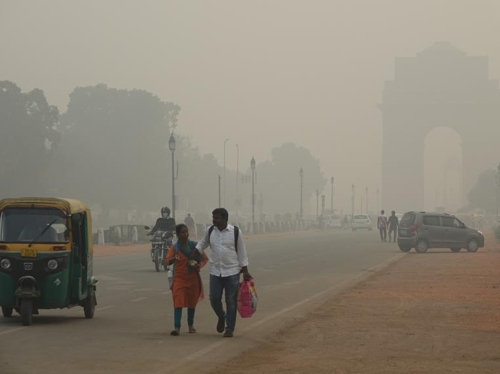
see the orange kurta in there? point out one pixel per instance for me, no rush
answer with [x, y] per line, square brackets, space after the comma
[187, 288]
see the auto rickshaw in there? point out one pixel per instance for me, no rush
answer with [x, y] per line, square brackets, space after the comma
[46, 256]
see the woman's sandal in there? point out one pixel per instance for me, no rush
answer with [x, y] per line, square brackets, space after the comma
[174, 332]
[192, 330]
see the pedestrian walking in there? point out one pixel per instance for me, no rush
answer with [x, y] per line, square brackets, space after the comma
[189, 222]
[187, 286]
[393, 225]
[228, 259]
[382, 225]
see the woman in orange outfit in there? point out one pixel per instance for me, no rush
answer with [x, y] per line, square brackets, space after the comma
[187, 287]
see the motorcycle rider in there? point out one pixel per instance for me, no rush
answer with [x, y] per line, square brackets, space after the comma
[164, 223]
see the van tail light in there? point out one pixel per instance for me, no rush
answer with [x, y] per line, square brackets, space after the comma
[3, 247]
[414, 229]
[59, 248]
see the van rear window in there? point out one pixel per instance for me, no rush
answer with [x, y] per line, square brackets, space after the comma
[407, 220]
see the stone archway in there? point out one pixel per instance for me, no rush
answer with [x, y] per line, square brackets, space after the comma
[440, 86]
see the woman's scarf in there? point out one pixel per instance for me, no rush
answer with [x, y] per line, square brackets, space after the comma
[186, 250]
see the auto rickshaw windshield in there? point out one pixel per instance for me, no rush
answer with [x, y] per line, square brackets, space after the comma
[41, 225]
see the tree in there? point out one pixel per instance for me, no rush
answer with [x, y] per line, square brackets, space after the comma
[279, 182]
[483, 194]
[115, 147]
[28, 139]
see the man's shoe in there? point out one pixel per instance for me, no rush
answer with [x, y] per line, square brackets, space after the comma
[228, 334]
[220, 324]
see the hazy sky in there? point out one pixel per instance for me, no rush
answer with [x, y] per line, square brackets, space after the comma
[258, 72]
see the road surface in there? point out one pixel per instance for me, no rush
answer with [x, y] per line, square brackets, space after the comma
[130, 330]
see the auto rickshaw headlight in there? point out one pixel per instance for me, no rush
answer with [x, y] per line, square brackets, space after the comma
[52, 264]
[5, 264]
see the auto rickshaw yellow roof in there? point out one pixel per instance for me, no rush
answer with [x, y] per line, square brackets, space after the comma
[67, 205]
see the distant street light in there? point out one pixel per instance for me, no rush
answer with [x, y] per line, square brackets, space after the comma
[366, 190]
[171, 146]
[224, 175]
[317, 203]
[378, 201]
[352, 198]
[237, 179]
[331, 202]
[301, 173]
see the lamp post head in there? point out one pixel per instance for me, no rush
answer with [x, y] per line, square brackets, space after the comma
[332, 180]
[252, 163]
[301, 172]
[171, 143]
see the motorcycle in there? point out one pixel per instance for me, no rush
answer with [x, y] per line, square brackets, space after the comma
[161, 241]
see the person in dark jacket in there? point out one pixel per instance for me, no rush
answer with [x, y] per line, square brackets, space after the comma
[393, 225]
[165, 222]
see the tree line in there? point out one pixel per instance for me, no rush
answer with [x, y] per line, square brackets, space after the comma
[110, 148]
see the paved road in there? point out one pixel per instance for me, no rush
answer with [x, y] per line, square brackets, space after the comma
[130, 331]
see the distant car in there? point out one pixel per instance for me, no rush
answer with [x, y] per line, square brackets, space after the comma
[332, 221]
[421, 230]
[361, 222]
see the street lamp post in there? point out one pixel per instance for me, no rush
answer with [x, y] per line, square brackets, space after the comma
[317, 203]
[378, 202]
[237, 179]
[220, 203]
[252, 165]
[171, 146]
[301, 173]
[224, 174]
[366, 190]
[352, 198]
[331, 202]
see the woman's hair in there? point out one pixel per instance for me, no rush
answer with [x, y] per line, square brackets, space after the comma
[179, 228]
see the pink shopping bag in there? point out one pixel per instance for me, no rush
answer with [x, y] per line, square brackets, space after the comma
[247, 299]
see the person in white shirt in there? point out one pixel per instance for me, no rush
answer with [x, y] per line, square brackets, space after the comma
[228, 258]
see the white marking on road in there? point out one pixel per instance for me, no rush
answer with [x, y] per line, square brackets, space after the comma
[105, 307]
[165, 293]
[12, 330]
[139, 299]
[211, 347]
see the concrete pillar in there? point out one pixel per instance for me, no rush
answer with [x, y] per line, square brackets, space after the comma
[135, 235]
[100, 236]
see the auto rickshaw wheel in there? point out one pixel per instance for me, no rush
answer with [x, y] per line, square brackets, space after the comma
[7, 311]
[89, 306]
[26, 312]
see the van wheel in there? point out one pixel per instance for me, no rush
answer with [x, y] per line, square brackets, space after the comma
[455, 249]
[26, 312]
[89, 306]
[421, 246]
[404, 249]
[472, 245]
[7, 311]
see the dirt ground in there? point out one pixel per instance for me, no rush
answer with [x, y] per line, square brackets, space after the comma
[437, 312]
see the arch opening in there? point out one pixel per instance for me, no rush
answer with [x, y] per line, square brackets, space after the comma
[443, 170]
